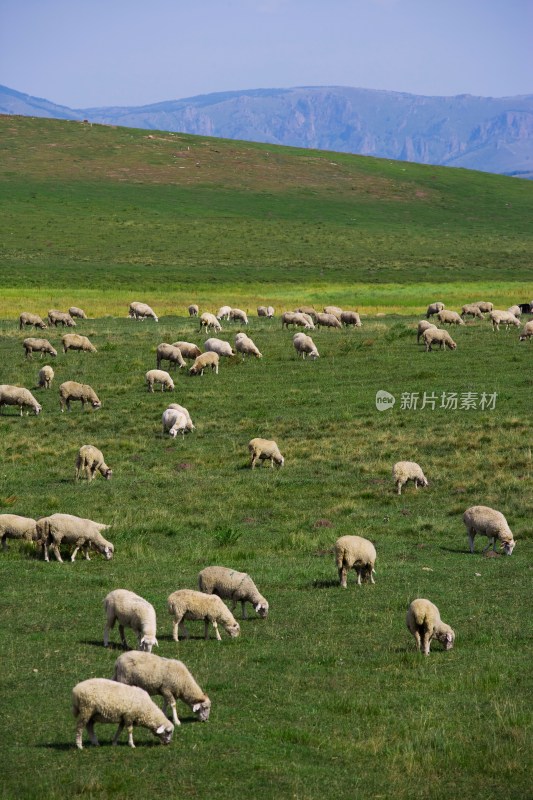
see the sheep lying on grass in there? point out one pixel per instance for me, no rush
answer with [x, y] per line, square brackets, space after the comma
[46, 376]
[31, 319]
[167, 352]
[89, 461]
[305, 346]
[74, 311]
[432, 335]
[73, 341]
[424, 622]
[159, 376]
[404, 471]
[188, 604]
[13, 526]
[165, 676]
[72, 390]
[58, 529]
[354, 552]
[434, 308]
[41, 346]
[246, 346]
[101, 700]
[232, 585]
[202, 362]
[18, 396]
[130, 611]
[264, 450]
[141, 311]
[60, 318]
[488, 522]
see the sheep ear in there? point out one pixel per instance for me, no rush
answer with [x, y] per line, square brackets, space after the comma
[196, 707]
[160, 730]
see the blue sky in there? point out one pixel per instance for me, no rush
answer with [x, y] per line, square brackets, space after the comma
[84, 53]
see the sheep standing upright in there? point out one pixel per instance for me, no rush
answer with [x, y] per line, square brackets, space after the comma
[208, 320]
[527, 332]
[18, 396]
[131, 611]
[264, 450]
[354, 552]
[58, 529]
[204, 361]
[305, 346]
[193, 310]
[141, 311]
[488, 522]
[72, 390]
[450, 317]
[13, 526]
[46, 376]
[434, 308]
[79, 313]
[89, 461]
[26, 318]
[404, 471]
[167, 352]
[161, 377]
[424, 622]
[188, 604]
[32, 345]
[423, 325]
[60, 318]
[235, 586]
[432, 335]
[74, 341]
[246, 346]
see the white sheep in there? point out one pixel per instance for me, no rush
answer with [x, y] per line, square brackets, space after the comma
[328, 321]
[67, 529]
[193, 310]
[235, 586]
[471, 310]
[39, 346]
[483, 306]
[404, 471]
[130, 611]
[223, 312]
[450, 318]
[262, 311]
[208, 320]
[167, 352]
[424, 622]
[189, 604]
[89, 461]
[503, 318]
[72, 390]
[183, 410]
[434, 308]
[46, 376]
[174, 422]
[432, 335]
[516, 310]
[60, 317]
[167, 677]
[304, 346]
[527, 331]
[423, 325]
[351, 318]
[309, 311]
[246, 346]
[488, 522]
[270, 311]
[79, 313]
[218, 346]
[202, 362]
[102, 700]
[26, 318]
[335, 310]
[159, 376]
[13, 526]
[237, 314]
[18, 396]
[188, 349]
[141, 311]
[264, 450]
[354, 552]
[73, 341]
[301, 320]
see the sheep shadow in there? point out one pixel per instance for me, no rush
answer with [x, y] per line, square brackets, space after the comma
[454, 550]
[324, 584]
[100, 643]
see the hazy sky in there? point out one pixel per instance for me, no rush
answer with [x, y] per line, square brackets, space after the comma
[84, 53]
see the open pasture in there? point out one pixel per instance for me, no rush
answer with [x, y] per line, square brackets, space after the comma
[327, 695]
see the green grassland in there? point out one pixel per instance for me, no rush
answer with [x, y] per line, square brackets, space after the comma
[327, 697]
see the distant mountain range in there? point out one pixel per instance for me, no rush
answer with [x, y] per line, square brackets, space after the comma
[482, 133]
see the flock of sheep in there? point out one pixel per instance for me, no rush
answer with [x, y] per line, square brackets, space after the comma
[138, 675]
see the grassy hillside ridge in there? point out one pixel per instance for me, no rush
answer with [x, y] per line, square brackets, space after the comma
[78, 201]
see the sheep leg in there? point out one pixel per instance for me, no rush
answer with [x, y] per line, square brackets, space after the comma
[416, 634]
[359, 572]
[169, 700]
[74, 553]
[372, 571]
[342, 576]
[119, 731]
[90, 731]
[79, 734]
[492, 543]
[243, 606]
[215, 626]
[86, 549]
[122, 636]
[399, 487]
[254, 459]
[55, 550]
[471, 535]
[426, 639]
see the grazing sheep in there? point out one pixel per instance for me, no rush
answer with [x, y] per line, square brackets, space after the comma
[60, 317]
[89, 461]
[424, 622]
[232, 585]
[183, 410]
[354, 552]
[141, 311]
[193, 310]
[298, 319]
[74, 311]
[245, 345]
[165, 676]
[491, 523]
[167, 352]
[503, 318]
[437, 335]
[39, 346]
[516, 310]
[237, 314]
[13, 526]
[208, 320]
[404, 471]
[270, 311]
[159, 376]
[204, 361]
[471, 310]
[102, 700]
[262, 311]
[130, 611]
[72, 390]
[18, 396]
[174, 422]
[223, 312]
[219, 347]
[527, 331]
[423, 325]
[483, 306]
[60, 529]
[187, 349]
[73, 341]
[335, 310]
[351, 318]
[46, 376]
[309, 311]
[304, 345]
[450, 318]
[434, 308]
[189, 604]
[264, 450]
[31, 319]
[328, 321]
